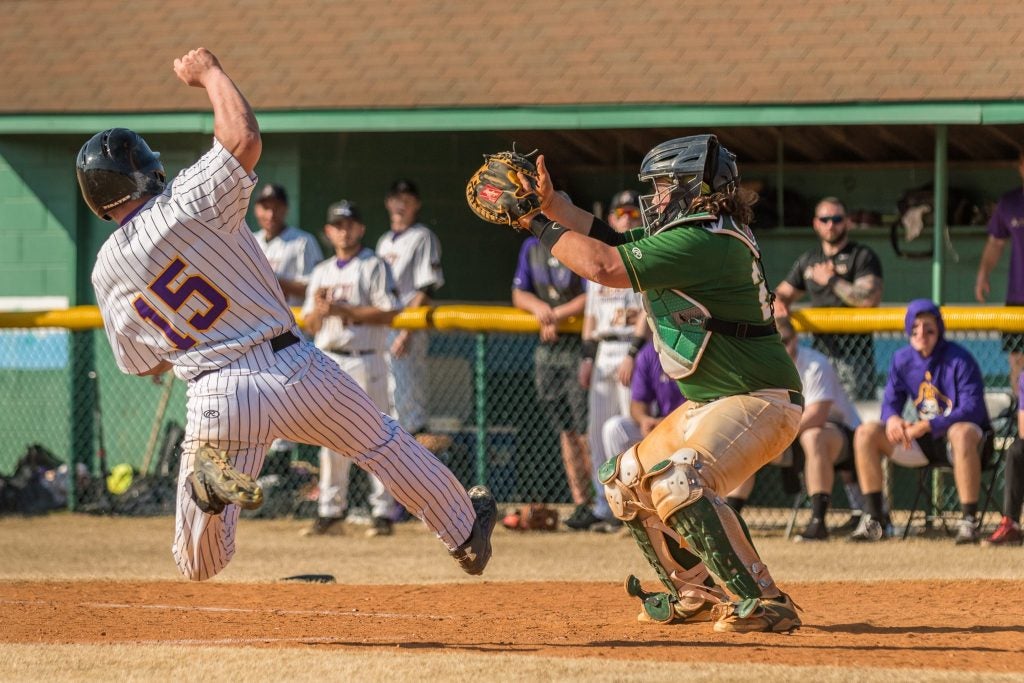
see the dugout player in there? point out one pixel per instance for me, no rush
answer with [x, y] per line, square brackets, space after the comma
[349, 305]
[613, 333]
[699, 269]
[413, 252]
[292, 254]
[182, 285]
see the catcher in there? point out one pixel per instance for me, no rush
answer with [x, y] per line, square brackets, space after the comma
[699, 269]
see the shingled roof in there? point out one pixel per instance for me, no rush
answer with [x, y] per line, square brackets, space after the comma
[115, 55]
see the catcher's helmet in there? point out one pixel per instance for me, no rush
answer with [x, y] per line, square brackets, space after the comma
[697, 165]
[116, 166]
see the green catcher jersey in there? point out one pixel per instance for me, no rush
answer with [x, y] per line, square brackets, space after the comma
[708, 268]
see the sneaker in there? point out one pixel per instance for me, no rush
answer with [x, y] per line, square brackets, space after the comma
[1008, 533]
[850, 525]
[214, 483]
[380, 526]
[869, 531]
[762, 615]
[815, 531]
[474, 554]
[583, 521]
[967, 531]
[324, 526]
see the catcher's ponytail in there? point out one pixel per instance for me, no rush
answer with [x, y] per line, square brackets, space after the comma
[738, 203]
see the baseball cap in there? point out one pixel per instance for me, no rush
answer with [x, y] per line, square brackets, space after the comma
[625, 198]
[403, 187]
[339, 211]
[272, 191]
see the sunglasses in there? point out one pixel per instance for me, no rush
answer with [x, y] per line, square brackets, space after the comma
[626, 211]
[838, 218]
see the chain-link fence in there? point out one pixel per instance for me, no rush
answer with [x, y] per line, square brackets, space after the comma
[63, 395]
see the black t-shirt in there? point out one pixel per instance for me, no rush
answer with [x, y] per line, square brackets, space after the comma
[852, 262]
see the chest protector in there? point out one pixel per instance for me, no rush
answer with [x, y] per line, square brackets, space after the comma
[682, 325]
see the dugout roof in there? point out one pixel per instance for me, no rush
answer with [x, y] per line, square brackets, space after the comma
[836, 75]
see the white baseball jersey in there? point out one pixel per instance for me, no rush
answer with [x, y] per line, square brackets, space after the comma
[292, 254]
[821, 383]
[614, 314]
[414, 256]
[364, 280]
[183, 280]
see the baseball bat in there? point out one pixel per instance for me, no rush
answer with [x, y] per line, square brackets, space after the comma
[158, 421]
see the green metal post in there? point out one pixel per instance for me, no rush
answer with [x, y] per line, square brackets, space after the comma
[480, 380]
[939, 210]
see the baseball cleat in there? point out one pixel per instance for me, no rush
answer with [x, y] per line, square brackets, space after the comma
[214, 483]
[474, 554]
[380, 526]
[324, 526]
[758, 615]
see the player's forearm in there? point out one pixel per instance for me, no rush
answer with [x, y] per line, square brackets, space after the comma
[370, 315]
[590, 259]
[990, 256]
[164, 366]
[292, 287]
[863, 293]
[234, 123]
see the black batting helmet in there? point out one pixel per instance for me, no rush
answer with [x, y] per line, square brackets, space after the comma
[116, 166]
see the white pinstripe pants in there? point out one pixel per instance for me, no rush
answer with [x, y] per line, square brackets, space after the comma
[302, 395]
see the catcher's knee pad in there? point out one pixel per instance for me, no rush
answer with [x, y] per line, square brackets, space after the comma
[620, 475]
[718, 536]
[675, 483]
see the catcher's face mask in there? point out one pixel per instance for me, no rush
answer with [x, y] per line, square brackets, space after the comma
[671, 198]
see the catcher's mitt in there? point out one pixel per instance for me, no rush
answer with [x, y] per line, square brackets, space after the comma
[495, 193]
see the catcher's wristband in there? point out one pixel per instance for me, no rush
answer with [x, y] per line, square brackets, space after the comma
[602, 232]
[546, 230]
[589, 349]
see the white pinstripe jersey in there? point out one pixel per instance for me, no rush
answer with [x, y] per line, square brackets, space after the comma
[364, 280]
[292, 255]
[183, 280]
[615, 311]
[414, 256]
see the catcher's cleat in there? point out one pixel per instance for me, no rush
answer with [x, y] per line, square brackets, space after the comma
[214, 483]
[869, 531]
[757, 615]
[815, 531]
[664, 608]
[474, 554]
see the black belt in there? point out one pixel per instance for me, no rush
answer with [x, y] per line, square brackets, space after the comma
[739, 330]
[351, 353]
[283, 341]
[278, 343]
[796, 398]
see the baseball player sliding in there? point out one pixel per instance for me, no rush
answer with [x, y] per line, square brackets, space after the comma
[183, 286]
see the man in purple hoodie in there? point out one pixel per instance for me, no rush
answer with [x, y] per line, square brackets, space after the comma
[944, 383]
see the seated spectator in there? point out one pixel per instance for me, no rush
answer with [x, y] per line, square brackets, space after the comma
[944, 383]
[653, 395]
[1008, 532]
[825, 436]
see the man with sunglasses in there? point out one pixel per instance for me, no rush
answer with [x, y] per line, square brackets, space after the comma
[838, 273]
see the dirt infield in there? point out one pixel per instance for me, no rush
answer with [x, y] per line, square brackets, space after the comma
[924, 610]
[903, 625]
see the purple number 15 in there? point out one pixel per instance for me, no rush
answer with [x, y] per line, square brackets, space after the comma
[197, 285]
